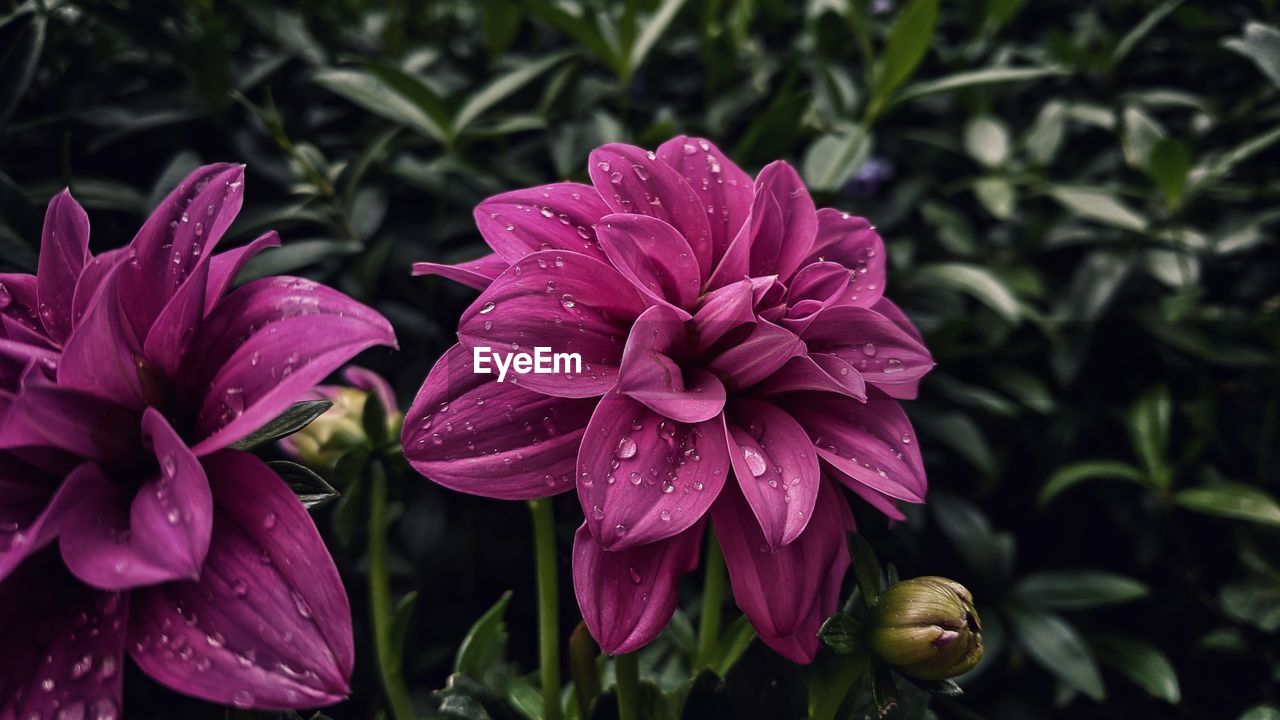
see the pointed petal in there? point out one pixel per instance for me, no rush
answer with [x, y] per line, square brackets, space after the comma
[642, 477]
[818, 372]
[756, 245]
[102, 356]
[650, 375]
[559, 216]
[46, 415]
[852, 242]
[476, 274]
[724, 312]
[628, 596]
[724, 188]
[885, 307]
[224, 267]
[371, 382]
[161, 533]
[776, 467]
[786, 593]
[268, 624]
[877, 500]
[766, 349]
[470, 433]
[654, 256]
[824, 282]
[871, 443]
[36, 528]
[799, 222]
[92, 278]
[64, 250]
[19, 319]
[884, 354]
[634, 181]
[266, 344]
[64, 646]
[567, 302]
[176, 325]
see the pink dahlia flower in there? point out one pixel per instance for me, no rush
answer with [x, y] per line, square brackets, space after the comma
[127, 523]
[739, 362]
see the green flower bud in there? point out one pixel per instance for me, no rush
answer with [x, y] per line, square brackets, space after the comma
[927, 628]
[338, 430]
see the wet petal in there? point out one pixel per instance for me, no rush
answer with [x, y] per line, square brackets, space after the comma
[91, 281]
[559, 216]
[653, 255]
[650, 375]
[118, 540]
[64, 250]
[46, 415]
[476, 274]
[754, 249]
[824, 282]
[567, 302]
[781, 255]
[19, 318]
[628, 596]
[724, 189]
[268, 624]
[224, 267]
[816, 371]
[766, 349]
[852, 242]
[723, 313]
[470, 433]
[884, 354]
[171, 334]
[103, 356]
[634, 181]
[30, 517]
[871, 443]
[885, 307]
[64, 646]
[776, 467]
[266, 344]
[788, 592]
[642, 477]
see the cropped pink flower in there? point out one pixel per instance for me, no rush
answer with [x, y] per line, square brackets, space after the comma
[739, 363]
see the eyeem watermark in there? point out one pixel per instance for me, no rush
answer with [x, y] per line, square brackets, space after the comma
[542, 362]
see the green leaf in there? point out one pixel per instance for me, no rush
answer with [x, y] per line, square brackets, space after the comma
[1141, 133]
[973, 78]
[1261, 44]
[485, 645]
[1255, 601]
[997, 195]
[1078, 589]
[1139, 31]
[372, 91]
[883, 692]
[296, 255]
[1169, 164]
[866, 568]
[1220, 166]
[1071, 475]
[652, 29]
[1232, 500]
[841, 633]
[296, 417]
[732, 644]
[1099, 205]
[1045, 135]
[986, 139]
[579, 28]
[833, 158]
[312, 490]
[21, 41]
[501, 88]
[1141, 662]
[1057, 647]
[526, 698]
[1261, 712]
[976, 281]
[1149, 420]
[988, 552]
[909, 40]
[374, 421]
[399, 630]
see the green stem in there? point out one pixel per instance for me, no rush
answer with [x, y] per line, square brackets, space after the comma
[544, 541]
[627, 668]
[380, 599]
[712, 601]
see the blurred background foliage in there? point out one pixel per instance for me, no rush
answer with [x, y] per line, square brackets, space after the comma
[1079, 201]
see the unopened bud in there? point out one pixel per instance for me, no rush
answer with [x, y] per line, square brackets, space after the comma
[927, 628]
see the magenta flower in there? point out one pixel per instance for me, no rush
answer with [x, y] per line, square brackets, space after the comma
[126, 521]
[739, 363]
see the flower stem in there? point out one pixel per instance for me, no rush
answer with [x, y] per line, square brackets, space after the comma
[380, 599]
[544, 541]
[712, 600]
[627, 669]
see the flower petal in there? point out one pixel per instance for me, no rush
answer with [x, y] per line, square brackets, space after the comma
[766, 349]
[46, 415]
[799, 222]
[884, 354]
[871, 443]
[470, 433]
[371, 382]
[559, 216]
[724, 188]
[32, 517]
[64, 250]
[763, 228]
[162, 533]
[91, 280]
[816, 371]
[628, 596]
[788, 592]
[564, 301]
[476, 274]
[268, 624]
[724, 312]
[650, 375]
[776, 467]
[19, 318]
[852, 242]
[885, 307]
[170, 336]
[266, 344]
[634, 181]
[103, 356]
[224, 267]
[642, 477]
[654, 256]
[64, 646]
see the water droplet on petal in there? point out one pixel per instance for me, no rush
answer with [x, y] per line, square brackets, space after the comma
[487, 308]
[626, 448]
[755, 461]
